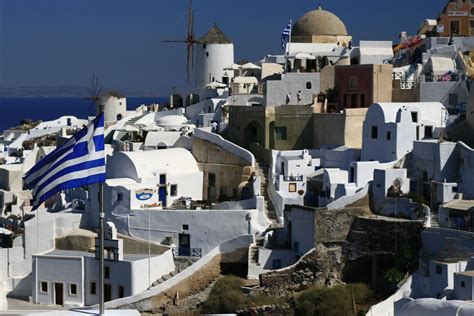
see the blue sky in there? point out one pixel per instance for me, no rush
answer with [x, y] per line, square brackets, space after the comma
[62, 42]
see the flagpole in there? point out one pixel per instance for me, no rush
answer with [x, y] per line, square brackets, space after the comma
[101, 248]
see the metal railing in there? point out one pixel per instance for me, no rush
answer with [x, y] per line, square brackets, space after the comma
[293, 178]
[187, 252]
[406, 84]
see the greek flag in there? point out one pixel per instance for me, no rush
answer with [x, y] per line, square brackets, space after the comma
[285, 36]
[78, 162]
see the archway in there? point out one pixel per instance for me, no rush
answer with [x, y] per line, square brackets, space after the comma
[176, 101]
[191, 99]
[253, 133]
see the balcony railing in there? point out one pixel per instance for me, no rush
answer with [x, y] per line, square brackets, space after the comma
[187, 252]
[293, 178]
[406, 84]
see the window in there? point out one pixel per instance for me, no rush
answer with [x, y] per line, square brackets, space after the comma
[309, 85]
[121, 291]
[204, 46]
[375, 132]
[414, 117]
[362, 100]
[292, 187]
[429, 131]
[453, 99]
[44, 287]
[119, 196]
[106, 272]
[389, 135]
[454, 27]
[280, 133]
[174, 190]
[463, 284]
[207, 54]
[162, 178]
[353, 83]
[212, 179]
[93, 288]
[73, 289]
[354, 103]
[417, 133]
[439, 269]
[346, 96]
[185, 227]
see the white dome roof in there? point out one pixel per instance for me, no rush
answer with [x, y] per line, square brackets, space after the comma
[171, 120]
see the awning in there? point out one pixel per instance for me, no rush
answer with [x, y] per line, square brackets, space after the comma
[305, 56]
[243, 80]
[249, 66]
[233, 67]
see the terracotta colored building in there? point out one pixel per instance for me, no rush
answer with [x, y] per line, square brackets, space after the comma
[359, 86]
[457, 19]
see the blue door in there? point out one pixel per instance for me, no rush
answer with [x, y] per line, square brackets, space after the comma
[162, 195]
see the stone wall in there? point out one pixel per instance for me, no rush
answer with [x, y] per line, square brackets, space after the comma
[333, 226]
[343, 238]
[321, 266]
[231, 171]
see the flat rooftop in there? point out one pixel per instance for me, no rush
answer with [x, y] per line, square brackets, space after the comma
[460, 205]
[75, 253]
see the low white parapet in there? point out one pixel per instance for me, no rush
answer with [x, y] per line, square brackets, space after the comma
[217, 139]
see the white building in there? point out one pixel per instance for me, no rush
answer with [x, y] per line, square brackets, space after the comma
[114, 106]
[155, 179]
[464, 286]
[391, 128]
[214, 52]
[71, 278]
[386, 179]
[55, 126]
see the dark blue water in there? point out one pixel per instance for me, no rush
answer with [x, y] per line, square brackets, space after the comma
[14, 109]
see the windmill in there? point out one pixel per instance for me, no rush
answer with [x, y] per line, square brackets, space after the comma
[94, 91]
[190, 40]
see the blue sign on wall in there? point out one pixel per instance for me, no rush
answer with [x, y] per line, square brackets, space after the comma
[144, 194]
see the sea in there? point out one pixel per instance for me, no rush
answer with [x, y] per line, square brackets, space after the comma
[14, 109]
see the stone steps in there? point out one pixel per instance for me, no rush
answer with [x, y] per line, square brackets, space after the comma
[163, 279]
[261, 169]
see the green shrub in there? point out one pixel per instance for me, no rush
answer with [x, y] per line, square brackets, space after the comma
[333, 301]
[225, 296]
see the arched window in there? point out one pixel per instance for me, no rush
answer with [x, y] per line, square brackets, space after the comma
[353, 83]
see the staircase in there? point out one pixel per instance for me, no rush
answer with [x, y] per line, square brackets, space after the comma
[434, 219]
[180, 265]
[163, 279]
[261, 170]
[253, 254]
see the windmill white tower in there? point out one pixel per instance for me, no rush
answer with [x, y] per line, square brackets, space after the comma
[214, 52]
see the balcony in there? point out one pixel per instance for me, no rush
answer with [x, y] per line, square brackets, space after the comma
[293, 178]
[187, 252]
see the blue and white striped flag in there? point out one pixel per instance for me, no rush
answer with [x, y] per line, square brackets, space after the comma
[79, 161]
[285, 36]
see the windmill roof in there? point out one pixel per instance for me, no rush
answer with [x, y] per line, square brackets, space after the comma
[114, 93]
[215, 36]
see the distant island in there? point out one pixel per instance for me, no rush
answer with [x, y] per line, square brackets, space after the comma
[64, 91]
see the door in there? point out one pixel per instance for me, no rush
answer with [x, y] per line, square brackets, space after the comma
[162, 195]
[184, 241]
[211, 188]
[107, 292]
[245, 193]
[58, 294]
[162, 190]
